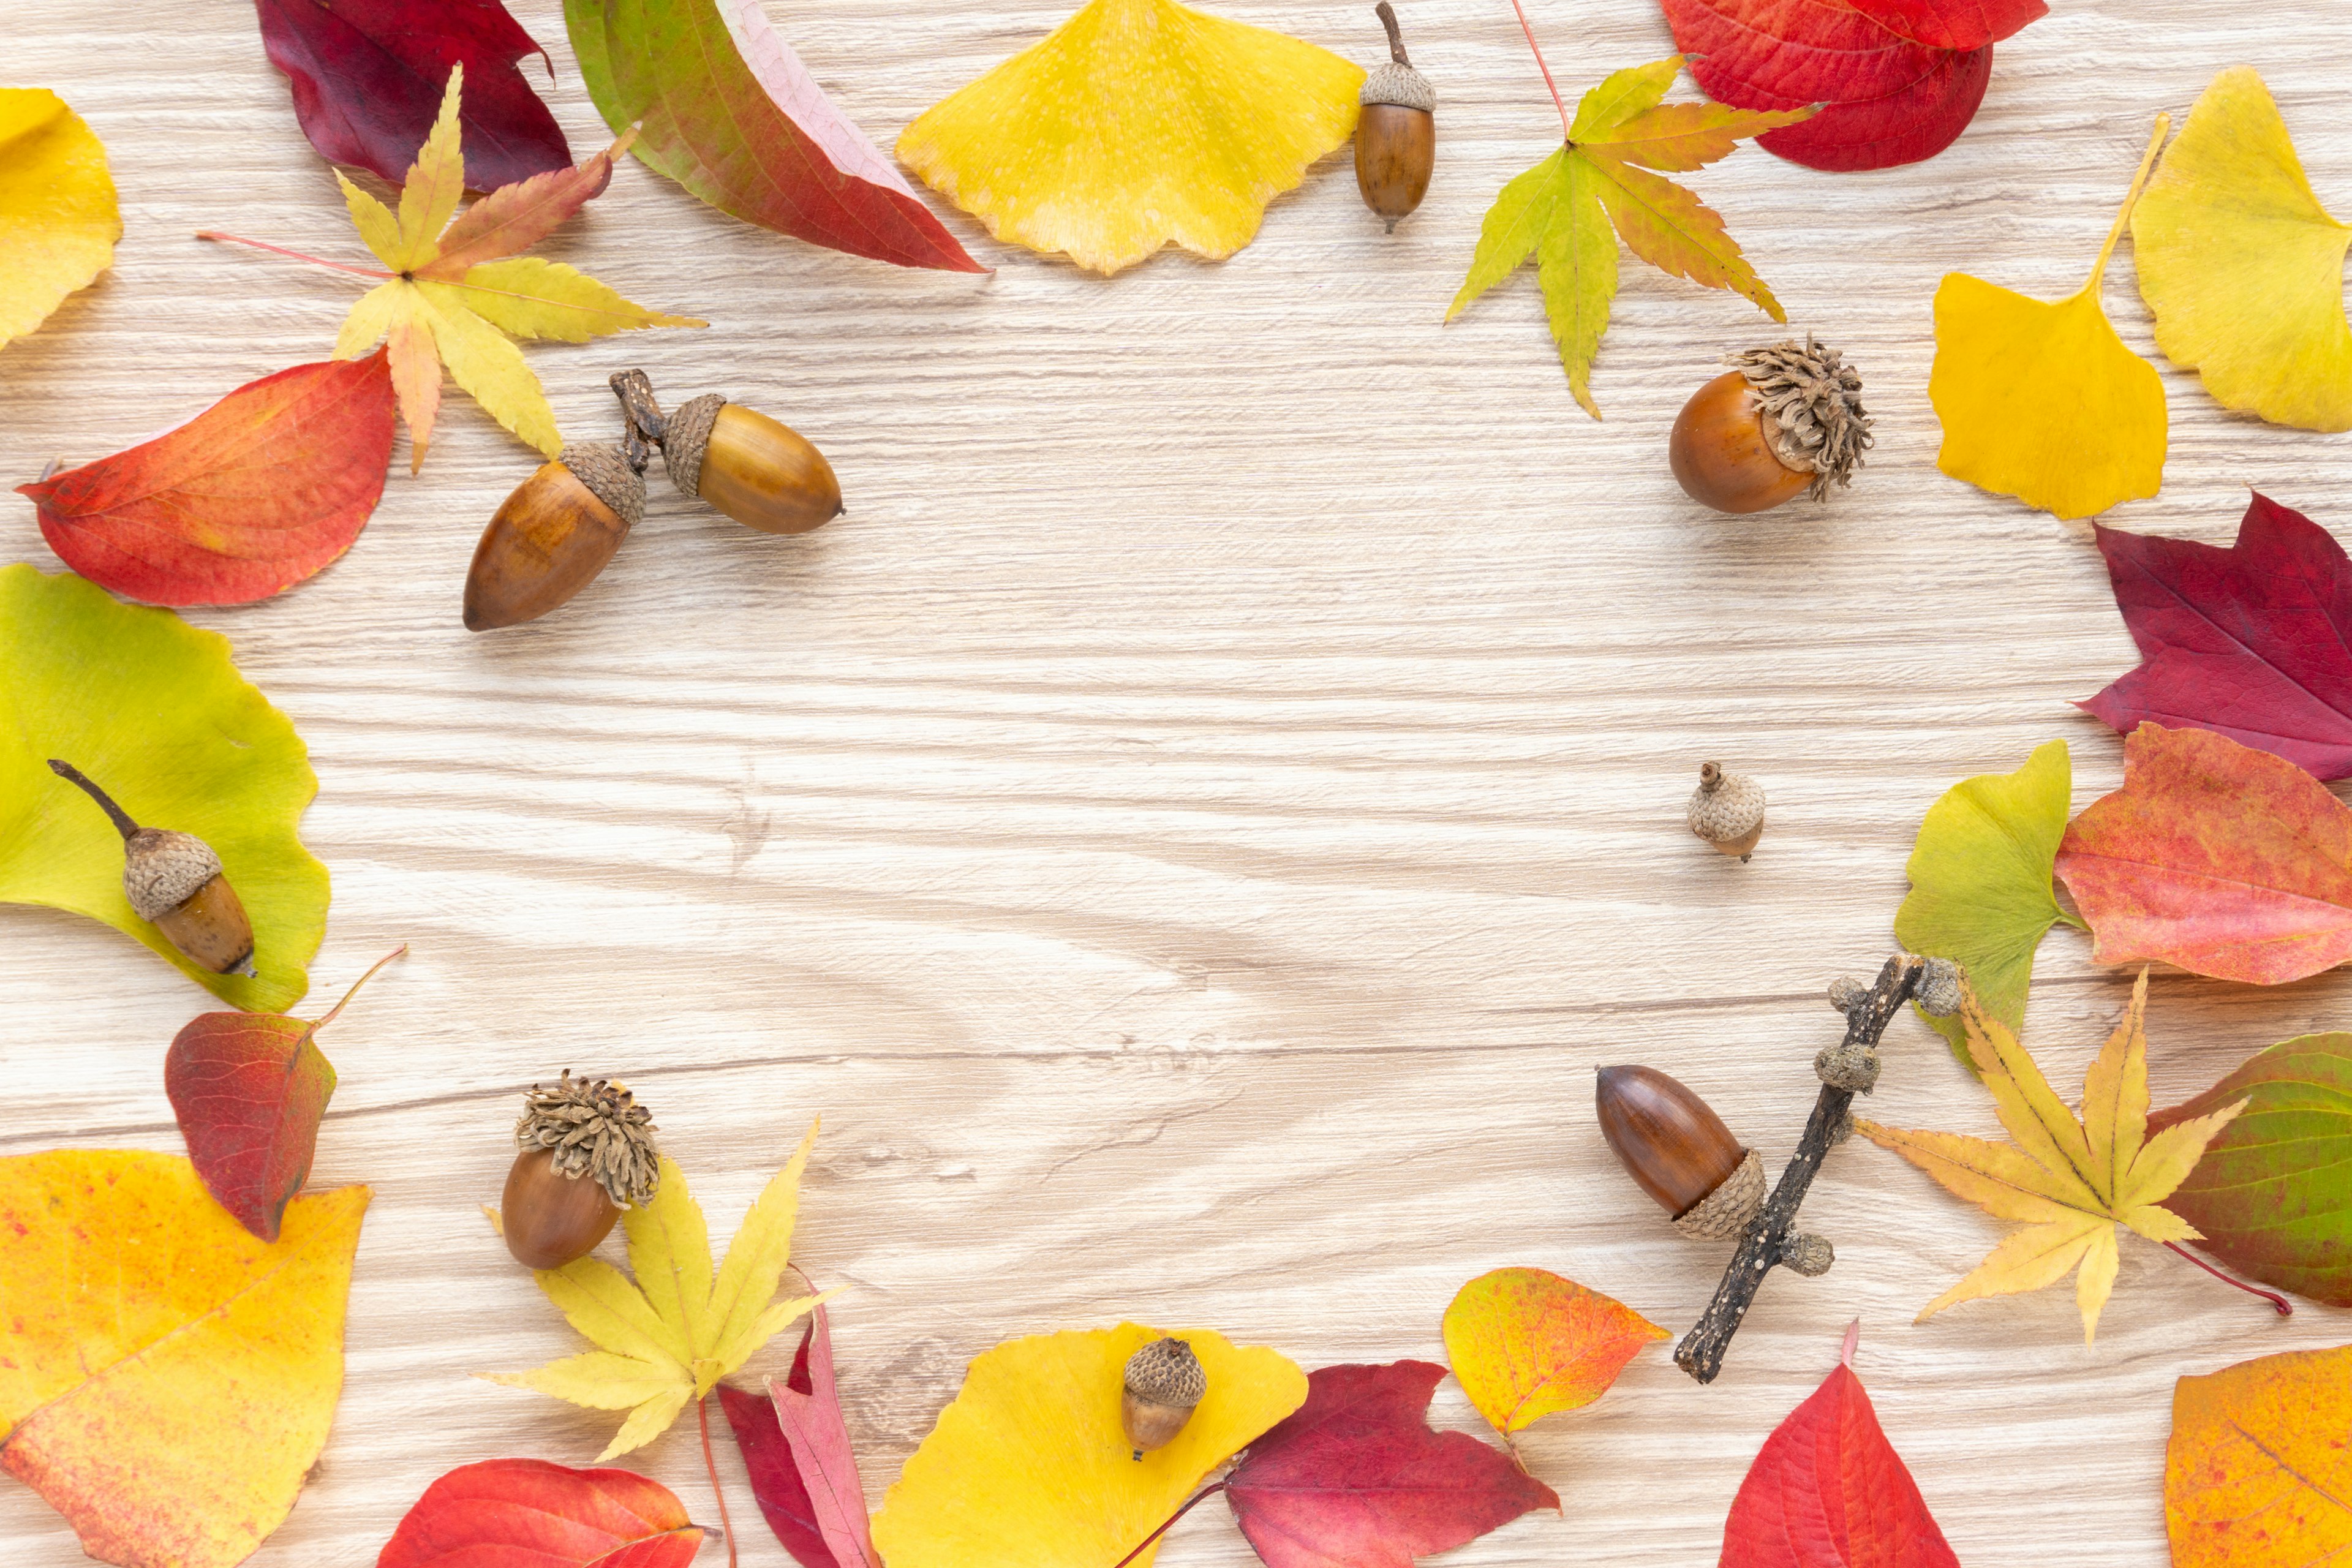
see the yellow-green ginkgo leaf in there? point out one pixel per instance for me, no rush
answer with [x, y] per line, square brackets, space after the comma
[58, 221]
[2042, 401]
[2243, 266]
[155, 713]
[1134, 124]
[1029, 1468]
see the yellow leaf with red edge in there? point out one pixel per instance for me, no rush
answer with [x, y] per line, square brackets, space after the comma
[58, 217]
[1029, 1468]
[1135, 123]
[1525, 1343]
[2042, 401]
[2258, 1473]
[166, 1377]
[2072, 1180]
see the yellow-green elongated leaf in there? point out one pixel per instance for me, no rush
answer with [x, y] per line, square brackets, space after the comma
[598, 1300]
[755, 1259]
[379, 229]
[1522, 214]
[669, 1252]
[597, 1380]
[646, 1421]
[1686, 136]
[1577, 263]
[534, 298]
[487, 364]
[1619, 96]
[435, 183]
[1671, 229]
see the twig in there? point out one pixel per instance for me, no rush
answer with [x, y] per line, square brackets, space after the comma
[2286, 1307]
[710, 1462]
[1195, 1500]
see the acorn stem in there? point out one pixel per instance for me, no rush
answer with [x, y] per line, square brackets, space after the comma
[1195, 1500]
[1387, 14]
[74, 776]
[638, 407]
[2284, 1308]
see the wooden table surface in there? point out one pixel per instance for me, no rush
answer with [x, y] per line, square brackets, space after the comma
[1193, 827]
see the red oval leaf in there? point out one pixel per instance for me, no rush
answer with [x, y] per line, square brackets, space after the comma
[259, 492]
[526, 1513]
[248, 1090]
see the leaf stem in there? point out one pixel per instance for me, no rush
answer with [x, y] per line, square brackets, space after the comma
[400, 951]
[75, 776]
[214, 234]
[1557, 103]
[710, 1462]
[2284, 1308]
[2131, 199]
[1190, 1503]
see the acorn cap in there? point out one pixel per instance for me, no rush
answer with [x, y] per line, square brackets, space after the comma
[1389, 82]
[1810, 400]
[601, 467]
[1726, 807]
[684, 441]
[162, 870]
[1166, 1372]
[598, 1130]
[1724, 1212]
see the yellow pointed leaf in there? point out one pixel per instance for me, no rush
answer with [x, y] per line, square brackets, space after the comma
[1620, 96]
[1135, 123]
[669, 1252]
[1675, 232]
[2031, 1260]
[2241, 265]
[166, 1379]
[533, 299]
[1998, 1179]
[486, 363]
[59, 220]
[646, 1421]
[1626, 118]
[754, 1264]
[436, 183]
[2115, 1100]
[2030, 1109]
[599, 1380]
[379, 229]
[1029, 1467]
[2042, 401]
[2096, 1281]
[416, 371]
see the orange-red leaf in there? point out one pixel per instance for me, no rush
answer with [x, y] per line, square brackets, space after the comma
[1525, 1343]
[526, 1513]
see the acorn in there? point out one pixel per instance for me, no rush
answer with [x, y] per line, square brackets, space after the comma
[1396, 133]
[1782, 420]
[1163, 1382]
[1728, 811]
[1679, 1151]
[554, 533]
[758, 470]
[175, 881]
[587, 1152]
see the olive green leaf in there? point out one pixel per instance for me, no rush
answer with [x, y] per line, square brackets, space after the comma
[1981, 883]
[152, 708]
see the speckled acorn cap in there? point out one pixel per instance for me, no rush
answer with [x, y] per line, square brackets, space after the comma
[1166, 1372]
[1389, 82]
[162, 870]
[607, 474]
[1726, 810]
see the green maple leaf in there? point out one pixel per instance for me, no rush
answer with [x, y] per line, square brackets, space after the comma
[1561, 211]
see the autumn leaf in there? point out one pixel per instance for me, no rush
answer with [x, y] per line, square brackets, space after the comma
[1828, 1490]
[265, 488]
[775, 1474]
[665, 1340]
[2257, 1473]
[1029, 1467]
[59, 220]
[1897, 80]
[165, 1379]
[1981, 883]
[2243, 268]
[796, 1450]
[726, 108]
[368, 75]
[154, 711]
[2214, 856]
[2273, 1193]
[2042, 401]
[1525, 1343]
[2072, 1180]
[1561, 211]
[1357, 1480]
[526, 1513]
[1135, 123]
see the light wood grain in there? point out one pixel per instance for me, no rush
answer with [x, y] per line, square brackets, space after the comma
[1193, 827]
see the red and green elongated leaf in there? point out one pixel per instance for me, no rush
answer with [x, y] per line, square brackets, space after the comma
[2273, 1193]
[259, 492]
[368, 77]
[526, 1513]
[2253, 642]
[748, 130]
[513, 219]
[2222, 859]
[1673, 231]
[1355, 1477]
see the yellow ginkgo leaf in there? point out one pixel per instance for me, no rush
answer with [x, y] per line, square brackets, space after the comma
[2042, 401]
[1134, 124]
[1029, 1467]
[2243, 266]
[58, 221]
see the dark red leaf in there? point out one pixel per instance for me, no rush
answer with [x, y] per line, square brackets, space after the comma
[368, 77]
[262, 490]
[1355, 1477]
[807, 1406]
[526, 1513]
[776, 1483]
[2253, 642]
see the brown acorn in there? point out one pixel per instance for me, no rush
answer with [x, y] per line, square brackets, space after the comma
[175, 881]
[1163, 1382]
[1678, 1150]
[1782, 420]
[1396, 132]
[587, 1152]
[1728, 811]
[758, 470]
[553, 534]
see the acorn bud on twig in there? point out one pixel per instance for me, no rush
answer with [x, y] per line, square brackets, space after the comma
[1728, 811]
[1165, 1381]
[174, 882]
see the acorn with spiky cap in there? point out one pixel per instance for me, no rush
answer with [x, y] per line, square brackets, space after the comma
[1164, 1382]
[587, 1152]
[174, 882]
[1783, 421]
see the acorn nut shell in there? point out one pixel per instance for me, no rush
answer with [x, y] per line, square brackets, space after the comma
[1162, 1384]
[1678, 1150]
[552, 536]
[1728, 811]
[758, 470]
[550, 1218]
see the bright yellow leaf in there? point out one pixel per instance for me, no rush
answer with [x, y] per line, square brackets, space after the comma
[58, 221]
[670, 1336]
[2042, 401]
[2243, 266]
[486, 363]
[1134, 124]
[533, 299]
[167, 1378]
[1029, 1467]
[2072, 1181]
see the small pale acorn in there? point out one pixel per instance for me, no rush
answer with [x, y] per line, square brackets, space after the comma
[553, 535]
[586, 1152]
[174, 882]
[1163, 1382]
[758, 470]
[1728, 811]
[1678, 1150]
[1396, 131]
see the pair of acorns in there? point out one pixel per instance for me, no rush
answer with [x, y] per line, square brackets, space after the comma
[562, 525]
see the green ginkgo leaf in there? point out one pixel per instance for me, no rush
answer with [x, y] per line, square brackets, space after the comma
[154, 710]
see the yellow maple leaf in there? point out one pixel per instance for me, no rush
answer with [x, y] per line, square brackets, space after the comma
[59, 220]
[2241, 265]
[166, 1377]
[2071, 1181]
[1133, 123]
[667, 1337]
[2042, 401]
[1029, 1467]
